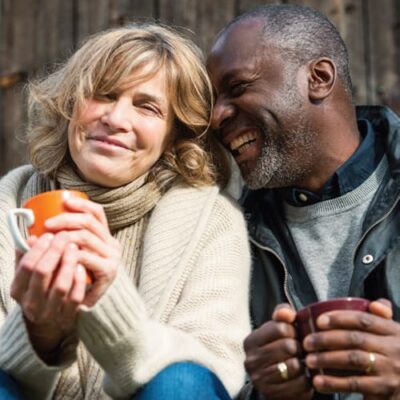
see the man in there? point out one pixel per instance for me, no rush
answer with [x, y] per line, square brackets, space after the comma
[322, 209]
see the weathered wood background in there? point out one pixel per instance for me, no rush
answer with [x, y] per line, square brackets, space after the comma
[37, 33]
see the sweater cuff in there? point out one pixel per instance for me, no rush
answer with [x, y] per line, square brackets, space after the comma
[19, 359]
[116, 314]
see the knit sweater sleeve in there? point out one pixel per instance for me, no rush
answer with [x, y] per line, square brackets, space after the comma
[200, 315]
[17, 356]
[36, 379]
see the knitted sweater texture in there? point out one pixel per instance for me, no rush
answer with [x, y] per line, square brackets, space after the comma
[191, 303]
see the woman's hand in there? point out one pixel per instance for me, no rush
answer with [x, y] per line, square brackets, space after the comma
[49, 285]
[100, 254]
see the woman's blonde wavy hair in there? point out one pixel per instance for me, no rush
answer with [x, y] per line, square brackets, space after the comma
[103, 64]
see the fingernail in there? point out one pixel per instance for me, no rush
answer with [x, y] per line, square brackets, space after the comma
[72, 246]
[318, 381]
[311, 360]
[71, 200]
[308, 343]
[49, 223]
[81, 270]
[323, 321]
[48, 237]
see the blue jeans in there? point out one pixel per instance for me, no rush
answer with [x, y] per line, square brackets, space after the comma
[9, 388]
[183, 381]
[180, 381]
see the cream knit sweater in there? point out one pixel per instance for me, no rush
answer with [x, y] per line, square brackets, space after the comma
[191, 302]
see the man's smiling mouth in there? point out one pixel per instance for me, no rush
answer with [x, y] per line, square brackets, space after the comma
[241, 143]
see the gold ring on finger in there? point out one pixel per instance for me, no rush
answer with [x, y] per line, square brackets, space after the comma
[283, 370]
[371, 363]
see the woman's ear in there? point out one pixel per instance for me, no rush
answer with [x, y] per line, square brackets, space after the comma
[322, 78]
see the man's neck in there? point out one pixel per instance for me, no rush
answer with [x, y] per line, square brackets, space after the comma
[333, 152]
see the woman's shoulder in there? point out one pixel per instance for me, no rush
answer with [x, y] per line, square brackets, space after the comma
[18, 174]
[15, 180]
[205, 202]
[199, 196]
[186, 217]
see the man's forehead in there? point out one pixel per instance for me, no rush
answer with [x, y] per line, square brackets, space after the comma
[238, 48]
[239, 35]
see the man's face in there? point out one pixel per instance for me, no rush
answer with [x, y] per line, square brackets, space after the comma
[260, 111]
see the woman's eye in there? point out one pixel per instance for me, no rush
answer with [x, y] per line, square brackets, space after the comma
[149, 107]
[106, 96]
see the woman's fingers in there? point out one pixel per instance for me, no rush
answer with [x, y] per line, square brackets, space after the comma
[42, 275]
[49, 283]
[85, 225]
[83, 214]
[35, 298]
[86, 240]
[62, 283]
[27, 265]
[102, 268]
[74, 298]
[77, 221]
[87, 206]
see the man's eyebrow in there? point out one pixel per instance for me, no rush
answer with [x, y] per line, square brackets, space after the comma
[227, 77]
[234, 72]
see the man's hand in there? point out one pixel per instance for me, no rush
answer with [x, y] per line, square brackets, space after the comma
[354, 341]
[273, 343]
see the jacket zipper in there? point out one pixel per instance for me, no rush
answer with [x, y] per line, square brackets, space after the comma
[285, 284]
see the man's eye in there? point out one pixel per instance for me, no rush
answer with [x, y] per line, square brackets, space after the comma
[238, 88]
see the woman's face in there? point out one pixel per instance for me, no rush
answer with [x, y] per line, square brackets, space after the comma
[116, 138]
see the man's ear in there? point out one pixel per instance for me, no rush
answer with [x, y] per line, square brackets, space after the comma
[322, 78]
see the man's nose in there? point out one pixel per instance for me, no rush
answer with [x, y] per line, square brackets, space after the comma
[118, 116]
[223, 111]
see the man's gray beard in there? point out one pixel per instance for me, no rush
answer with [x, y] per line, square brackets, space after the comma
[283, 163]
[286, 156]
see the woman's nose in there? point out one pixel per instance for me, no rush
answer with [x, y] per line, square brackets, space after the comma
[118, 116]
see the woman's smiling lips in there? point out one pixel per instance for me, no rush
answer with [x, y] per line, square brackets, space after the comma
[109, 141]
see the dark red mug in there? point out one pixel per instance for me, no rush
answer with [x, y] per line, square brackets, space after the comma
[306, 322]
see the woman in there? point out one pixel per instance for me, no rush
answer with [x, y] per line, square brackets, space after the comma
[124, 122]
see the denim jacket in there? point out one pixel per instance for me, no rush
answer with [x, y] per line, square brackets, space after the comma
[278, 271]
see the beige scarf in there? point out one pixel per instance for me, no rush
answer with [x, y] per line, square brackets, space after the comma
[127, 209]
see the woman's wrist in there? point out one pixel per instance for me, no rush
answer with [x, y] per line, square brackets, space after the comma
[47, 340]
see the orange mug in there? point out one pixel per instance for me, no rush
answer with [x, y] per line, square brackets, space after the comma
[36, 211]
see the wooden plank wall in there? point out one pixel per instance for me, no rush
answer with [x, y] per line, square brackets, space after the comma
[34, 34]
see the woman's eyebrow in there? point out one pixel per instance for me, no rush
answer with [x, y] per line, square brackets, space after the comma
[160, 100]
